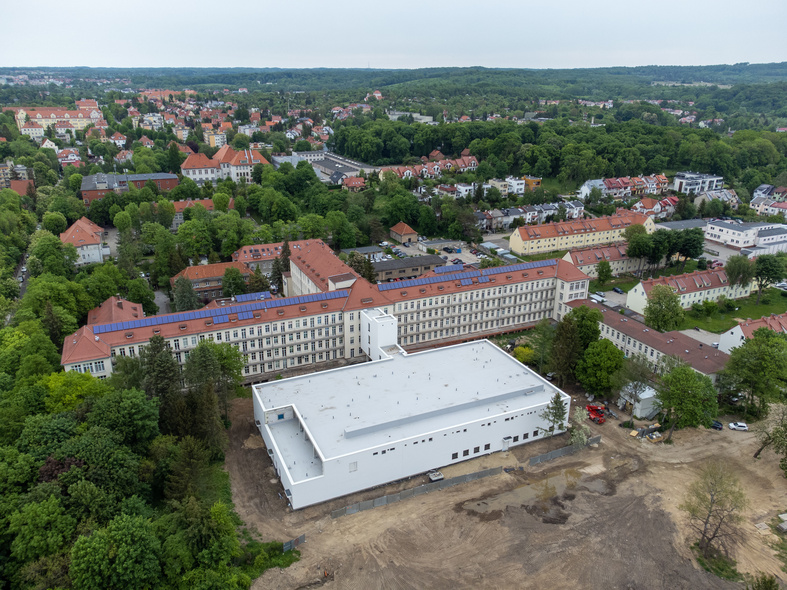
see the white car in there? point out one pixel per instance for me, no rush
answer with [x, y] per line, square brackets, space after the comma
[738, 426]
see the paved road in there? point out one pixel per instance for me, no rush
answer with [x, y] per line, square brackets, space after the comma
[162, 301]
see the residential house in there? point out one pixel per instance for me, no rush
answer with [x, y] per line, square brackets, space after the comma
[354, 184]
[531, 182]
[146, 142]
[118, 139]
[215, 138]
[33, 130]
[501, 186]
[97, 186]
[124, 156]
[69, 157]
[87, 238]
[737, 336]
[49, 144]
[727, 196]
[587, 259]
[206, 279]
[696, 287]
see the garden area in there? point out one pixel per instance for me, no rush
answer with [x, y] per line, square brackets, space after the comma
[720, 317]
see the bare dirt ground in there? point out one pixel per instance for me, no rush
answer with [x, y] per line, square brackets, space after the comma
[604, 518]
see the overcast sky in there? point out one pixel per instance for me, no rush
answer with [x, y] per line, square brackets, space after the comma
[393, 34]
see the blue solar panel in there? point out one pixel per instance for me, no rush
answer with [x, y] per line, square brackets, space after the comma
[218, 314]
[466, 282]
[448, 268]
[483, 280]
[519, 267]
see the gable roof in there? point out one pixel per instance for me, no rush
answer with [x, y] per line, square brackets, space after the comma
[402, 228]
[82, 233]
[198, 161]
[620, 220]
[777, 323]
[699, 280]
[83, 345]
[180, 206]
[210, 271]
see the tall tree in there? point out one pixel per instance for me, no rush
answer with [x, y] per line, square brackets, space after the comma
[597, 366]
[663, 311]
[258, 282]
[687, 398]
[285, 256]
[554, 414]
[758, 370]
[185, 296]
[739, 270]
[768, 269]
[714, 503]
[233, 283]
[277, 278]
[566, 349]
[162, 381]
[604, 272]
[587, 322]
[541, 337]
[692, 245]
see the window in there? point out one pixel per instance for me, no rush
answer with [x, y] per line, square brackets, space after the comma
[465, 453]
[535, 433]
[454, 456]
[516, 439]
[487, 446]
[476, 449]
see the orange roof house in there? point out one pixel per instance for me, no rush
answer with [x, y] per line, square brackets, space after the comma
[402, 232]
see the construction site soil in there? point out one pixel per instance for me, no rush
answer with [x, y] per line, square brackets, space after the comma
[605, 517]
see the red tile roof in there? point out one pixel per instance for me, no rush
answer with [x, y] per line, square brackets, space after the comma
[83, 345]
[115, 309]
[777, 323]
[699, 280]
[209, 271]
[619, 220]
[20, 186]
[181, 206]
[198, 161]
[595, 254]
[402, 229]
[82, 233]
[354, 182]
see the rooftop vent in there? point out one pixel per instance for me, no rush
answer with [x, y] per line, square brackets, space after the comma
[182, 326]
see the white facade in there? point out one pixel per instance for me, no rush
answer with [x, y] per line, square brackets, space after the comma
[90, 253]
[693, 182]
[741, 235]
[732, 338]
[344, 430]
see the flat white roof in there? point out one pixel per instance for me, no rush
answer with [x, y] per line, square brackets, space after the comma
[379, 402]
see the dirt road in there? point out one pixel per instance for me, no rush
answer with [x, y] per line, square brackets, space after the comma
[604, 518]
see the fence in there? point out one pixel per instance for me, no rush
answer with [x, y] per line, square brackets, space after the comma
[570, 450]
[294, 543]
[412, 492]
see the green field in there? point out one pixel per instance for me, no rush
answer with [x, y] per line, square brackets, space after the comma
[772, 302]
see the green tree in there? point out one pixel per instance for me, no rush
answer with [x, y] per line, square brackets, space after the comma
[757, 369]
[221, 202]
[363, 266]
[604, 272]
[40, 529]
[686, 398]
[714, 503]
[554, 414]
[541, 337]
[54, 222]
[597, 366]
[190, 470]
[580, 431]
[162, 381]
[129, 415]
[739, 270]
[139, 292]
[277, 278]
[123, 556]
[663, 311]
[566, 349]
[258, 282]
[122, 221]
[587, 322]
[233, 283]
[185, 296]
[768, 269]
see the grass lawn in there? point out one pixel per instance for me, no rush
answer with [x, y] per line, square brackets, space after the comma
[691, 266]
[772, 302]
[542, 256]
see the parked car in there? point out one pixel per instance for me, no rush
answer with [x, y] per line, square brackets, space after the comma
[738, 426]
[600, 293]
[406, 245]
[23, 269]
[550, 376]
[618, 290]
[716, 425]
[449, 250]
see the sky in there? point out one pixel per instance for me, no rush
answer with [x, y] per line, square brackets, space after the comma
[401, 34]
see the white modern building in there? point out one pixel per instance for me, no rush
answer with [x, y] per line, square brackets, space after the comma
[694, 182]
[349, 429]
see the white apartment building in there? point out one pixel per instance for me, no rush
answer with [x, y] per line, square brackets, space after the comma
[694, 182]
